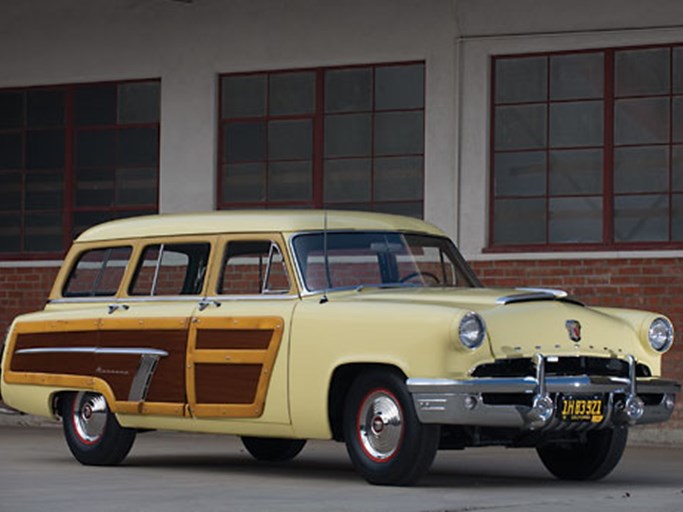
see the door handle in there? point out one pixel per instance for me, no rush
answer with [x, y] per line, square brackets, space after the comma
[115, 307]
[205, 303]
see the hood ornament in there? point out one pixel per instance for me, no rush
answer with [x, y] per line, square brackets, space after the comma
[574, 329]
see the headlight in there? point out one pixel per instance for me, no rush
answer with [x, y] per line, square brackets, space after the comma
[472, 331]
[660, 334]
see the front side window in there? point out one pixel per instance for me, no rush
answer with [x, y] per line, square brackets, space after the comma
[97, 273]
[345, 138]
[379, 259]
[253, 268]
[588, 148]
[171, 269]
[72, 156]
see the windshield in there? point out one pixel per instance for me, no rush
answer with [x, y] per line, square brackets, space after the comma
[360, 259]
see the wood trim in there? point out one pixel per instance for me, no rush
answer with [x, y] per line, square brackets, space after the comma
[232, 328]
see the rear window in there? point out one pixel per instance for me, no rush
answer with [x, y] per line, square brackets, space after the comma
[97, 273]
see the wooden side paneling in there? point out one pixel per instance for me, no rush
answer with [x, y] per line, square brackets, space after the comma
[258, 339]
[227, 383]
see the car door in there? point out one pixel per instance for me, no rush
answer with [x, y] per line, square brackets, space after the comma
[150, 325]
[239, 335]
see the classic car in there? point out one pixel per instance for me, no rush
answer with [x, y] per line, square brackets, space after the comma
[370, 329]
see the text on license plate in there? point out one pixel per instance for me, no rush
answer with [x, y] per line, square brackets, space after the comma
[589, 409]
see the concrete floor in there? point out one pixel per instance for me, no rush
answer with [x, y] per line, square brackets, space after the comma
[178, 472]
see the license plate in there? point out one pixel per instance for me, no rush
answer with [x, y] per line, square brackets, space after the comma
[589, 409]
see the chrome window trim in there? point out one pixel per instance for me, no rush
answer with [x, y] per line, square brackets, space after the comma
[263, 296]
[109, 300]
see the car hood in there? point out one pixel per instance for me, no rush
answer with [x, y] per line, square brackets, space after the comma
[522, 321]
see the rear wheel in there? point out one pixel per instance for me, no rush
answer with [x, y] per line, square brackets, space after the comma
[92, 433]
[272, 449]
[590, 458]
[386, 442]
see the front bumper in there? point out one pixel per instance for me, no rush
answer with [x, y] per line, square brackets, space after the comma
[630, 400]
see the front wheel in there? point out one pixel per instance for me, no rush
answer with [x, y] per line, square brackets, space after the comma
[273, 450]
[590, 458]
[386, 442]
[92, 433]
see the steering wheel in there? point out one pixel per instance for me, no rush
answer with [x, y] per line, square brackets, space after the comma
[420, 273]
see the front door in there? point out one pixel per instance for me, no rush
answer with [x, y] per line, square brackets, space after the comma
[239, 335]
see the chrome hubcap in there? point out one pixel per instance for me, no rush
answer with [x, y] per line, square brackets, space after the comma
[89, 416]
[380, 425]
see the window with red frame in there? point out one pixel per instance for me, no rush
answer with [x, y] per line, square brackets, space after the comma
[587, 149]
[72, 156]
[346, 138]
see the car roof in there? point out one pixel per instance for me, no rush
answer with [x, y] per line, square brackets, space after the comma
[252, 221]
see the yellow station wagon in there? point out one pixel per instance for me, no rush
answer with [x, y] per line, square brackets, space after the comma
[364, 328]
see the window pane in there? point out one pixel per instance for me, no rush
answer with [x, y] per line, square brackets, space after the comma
[84, 220]
[677, 168]
[576, 172]
[519, 221]
[139, 102]
[398, 179]
[136, 186]
[11, 110]
[244, 183]
[677, 217]
[10, 191]
[95, 187]
[10, 151]
[10, 232]
[409, 209]
[348, 90]
[290, 181]
[521, 79]
[576, 76]
[641, 121]
[45, 108]
[575, 220]
[677, 119]
[348, 135]
[44, 190]
[641, 218]
[399, 87]
[347, 180]
[45, 149]
[96, 148]
[98, 272]
[520, 174]
[243, 96]
[399, 133]
[522, 127]
[576, 124]
[43, 232]
[95, 105]
[290, 140]
[138, 147]
[292, 93]
[244, 142]
[641, 169]
[678, 70]
[639, 72]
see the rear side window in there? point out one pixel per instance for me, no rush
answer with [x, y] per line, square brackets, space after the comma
[97, 273]
[171, 269]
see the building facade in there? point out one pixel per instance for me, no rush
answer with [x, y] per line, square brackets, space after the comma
[545, 137]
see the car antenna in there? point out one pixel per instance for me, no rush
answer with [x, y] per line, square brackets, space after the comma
[326, 263]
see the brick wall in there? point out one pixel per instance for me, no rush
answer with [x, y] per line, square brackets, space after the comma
[22, 290]
[654, 284]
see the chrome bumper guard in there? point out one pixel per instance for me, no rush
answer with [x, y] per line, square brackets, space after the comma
[462, 402]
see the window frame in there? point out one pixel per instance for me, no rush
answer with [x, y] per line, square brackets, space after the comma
[317, 117]
[608, 145]
[71, 128]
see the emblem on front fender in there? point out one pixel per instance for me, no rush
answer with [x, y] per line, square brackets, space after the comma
[574, 329]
